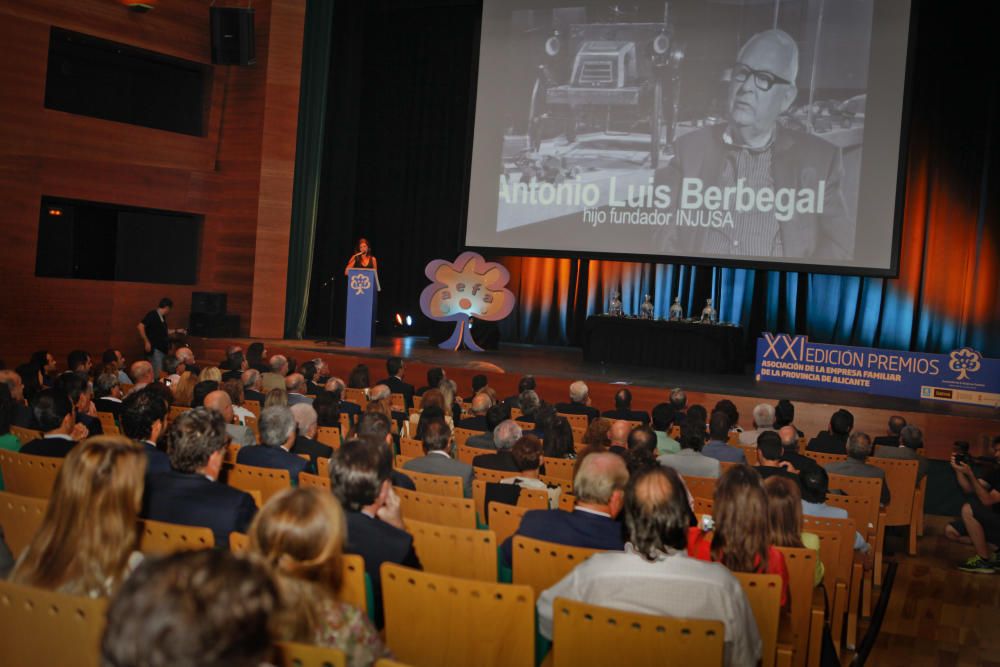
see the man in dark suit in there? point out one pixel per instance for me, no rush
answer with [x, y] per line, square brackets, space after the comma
[394, 366]
[277, 435]
[599, 487]
[189, 494]
[678, 402]
[359, 477]
[770, 458]
[108, 393]
[377, 426]
[235, 364]
[252, 386]
[143, 418]
[494, 417]
[335, 386]
[77, 387]
[526, 383]
[505, 435]
[896, 424]
[833, 441]
[305, 440]
[53, 413]
[437, 459]
[434, 377]
[479, 382]
[859, 448]
[22, 413]
[623, 409]
[481, 403]
[790, 451]
[309, 371]
[579, 402]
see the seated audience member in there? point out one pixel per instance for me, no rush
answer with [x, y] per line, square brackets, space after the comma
[359, 377]
[359, 478]
[203, 608]
[234, 387]
[663, 421]
[15, 387]
[433, 401]
[526, 383]
[143, 419]
[256, 355]
[438, 447]
[529, 403]
[449, 388]
[276, 398]
[141, 373]
[210, 374]
[833, 441]
[277, 436]
[527, 455]
[689, 460]
[896, 424]
[190, 494]
[396, 370]
[77, 388]
[496, 414]
[678, 402]
[505, 435]
[300, 534]
[763, 422]
[185, 358]
[235, 364]
[618, 436]
[770, 455]
[742, 537]
[183, 389]
[377, 426]
[477, 422]
[87, 540]
[335, 387]
[306, 424]
[53, 414]
[479, 383]
[579, 402]
[718, 446]
[380, 400]
[295, 385]
[859, 448]
[219, 401]
[544, 416]
[434, 377]
[979, 521]
[201, 390]
[697, 416]
[596, 436]
[557, 441]
[79, 361]
[641, 450]
[429, 414]
[623, 409]
[728, 408]
[173, 369]
[599, 489]
[8, 441]
[252, 386]
[784, 507]
[310, 373]
[108, 393]
[653, 575]
[45, 364]
[274, 376]
[32, 381]
[815, 484]
[797, 463]
[327, 410]
[911, 439]
[784, 415]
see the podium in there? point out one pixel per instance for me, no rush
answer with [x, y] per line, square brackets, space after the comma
[362, 298]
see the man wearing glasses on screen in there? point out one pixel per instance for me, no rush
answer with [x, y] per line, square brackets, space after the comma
[762, 190]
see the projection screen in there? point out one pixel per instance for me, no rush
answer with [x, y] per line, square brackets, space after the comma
[760, 133]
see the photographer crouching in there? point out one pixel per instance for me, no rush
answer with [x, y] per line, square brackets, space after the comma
[979, 522]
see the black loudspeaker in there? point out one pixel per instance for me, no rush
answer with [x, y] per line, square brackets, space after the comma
[208, 303]
[214, 326]
[233, 40]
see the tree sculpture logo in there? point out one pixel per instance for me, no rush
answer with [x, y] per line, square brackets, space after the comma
[466, 288]
[360, 283]
[964, 361]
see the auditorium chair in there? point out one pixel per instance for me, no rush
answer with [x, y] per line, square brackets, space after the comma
[329, 436]
[822, 458]
[176, 411]
[294, 654]
[558, 468]
[491, 475]
[467, 454]
[542, 564]
[440, 485]
[532, 499]
[576, 421]
[411, 447]
[25, 435]
[565, 484]
[252, 406]
[345, 425]
[843, 572]
[463, 434]
[504, 520]
[901, 477]
[29, 475]
[238, 542]
[20, 517]
[700, 487]
[160, 537]
[308, 479]
[750, 453]
[567, 502]
[397, 402]
[230, 454]
[432, 620]
[763, 592]
[805, 601]
[457, 552]
[586, 634]
[871, 488]
[356, 396]
[41, 627]
[432, 508]
[703, 506]
[108, 423]
[515, 413]
[398, 461]
[268, 481]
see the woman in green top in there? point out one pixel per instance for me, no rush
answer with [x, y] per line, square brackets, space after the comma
[8, 440]
[784, 507]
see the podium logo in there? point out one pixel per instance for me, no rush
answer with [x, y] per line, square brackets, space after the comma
[964, 361]
[360, 284]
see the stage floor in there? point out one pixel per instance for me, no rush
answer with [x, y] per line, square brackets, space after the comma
[568, 363]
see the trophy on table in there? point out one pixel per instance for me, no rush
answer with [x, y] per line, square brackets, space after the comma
[615, 309]
[676, 312]
[708, 313]
[647, 308]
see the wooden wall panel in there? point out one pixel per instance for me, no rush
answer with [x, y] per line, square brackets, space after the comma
[238, 176]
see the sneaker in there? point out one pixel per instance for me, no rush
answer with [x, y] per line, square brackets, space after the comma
[978, 565]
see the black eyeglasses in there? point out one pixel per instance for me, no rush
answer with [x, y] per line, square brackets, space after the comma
[762, 79]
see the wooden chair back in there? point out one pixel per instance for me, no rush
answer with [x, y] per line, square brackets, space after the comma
[294, 654]
[356, 396]
[901, 476]
[21, 517]
[541, 564]
[700, 487]
[268, 481]
[329, 436]
[432, 508]
[703, 506]
[108, 423]
[423, 610]
[763, 592]
[801, 564]
[160, 537]
[749, 452]
[176, 411]
[490, 475]
[42, 627]
[860, 509]
[567, 501]
[515, 413]
[397, 402]
[411, 447]
[308, 479]
[238, 542]
[733, 439]
[463, 434]
[865, 487]
[578, 434]
[323, 467]
[836, 539]
[533, 499]
[440, 485]
[232, 451]
[352, 583]
[418, 402]
[467, 454]
[29, 475]
[565, 484]
[559, 468]
[398, 461]
[822, 458]
[576, 421]
[586, 634]
[345, 424]
[505, 519]
[456, 552]
[252, 406]
[25, 435]
[252, 424]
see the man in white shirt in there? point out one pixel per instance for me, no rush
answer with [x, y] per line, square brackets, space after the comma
[654, 575]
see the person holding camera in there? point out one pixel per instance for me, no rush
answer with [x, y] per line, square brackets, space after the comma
[979, 522]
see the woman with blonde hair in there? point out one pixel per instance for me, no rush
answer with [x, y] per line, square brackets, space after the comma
[86, 543]
[300, 533]
[184, 389]
[210, 374]
[274, 397]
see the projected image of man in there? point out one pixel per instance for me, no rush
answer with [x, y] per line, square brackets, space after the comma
[751, 187]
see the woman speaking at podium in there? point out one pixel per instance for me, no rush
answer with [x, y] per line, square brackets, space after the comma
[362, 259]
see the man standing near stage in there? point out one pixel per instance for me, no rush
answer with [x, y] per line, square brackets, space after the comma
[156, 336]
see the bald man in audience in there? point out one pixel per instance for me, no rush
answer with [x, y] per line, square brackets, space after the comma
[295, 385]
[219, 401]
[618, 435]
[599, 488]
[623, 409]
[798, 463]
[481, 402]
[142, 374]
